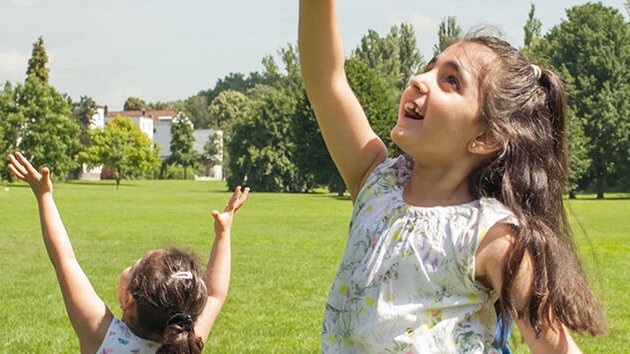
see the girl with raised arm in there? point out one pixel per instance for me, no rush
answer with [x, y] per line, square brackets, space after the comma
[470, 215]
[168, 303]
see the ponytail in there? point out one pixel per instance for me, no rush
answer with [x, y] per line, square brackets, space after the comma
[179, 336]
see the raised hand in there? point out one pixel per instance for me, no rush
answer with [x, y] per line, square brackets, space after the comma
[223, 221]
[22, 169]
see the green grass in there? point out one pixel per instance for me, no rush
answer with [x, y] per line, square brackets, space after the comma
[286, 248]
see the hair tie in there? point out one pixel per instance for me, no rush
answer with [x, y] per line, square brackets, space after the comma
[537, 72]
[181, 319]
[182, 275]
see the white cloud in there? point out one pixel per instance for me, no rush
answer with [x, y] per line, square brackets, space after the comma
[28, 3]
[13, 65]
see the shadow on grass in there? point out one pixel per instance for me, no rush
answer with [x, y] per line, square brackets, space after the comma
[613, 197]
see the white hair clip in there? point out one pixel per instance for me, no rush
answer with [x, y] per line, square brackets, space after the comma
[182, 275]
[537, 71]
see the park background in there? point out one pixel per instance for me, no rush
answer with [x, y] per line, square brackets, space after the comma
[286, 245]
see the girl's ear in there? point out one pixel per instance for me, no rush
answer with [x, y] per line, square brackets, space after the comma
[127, 302]
[484, 144]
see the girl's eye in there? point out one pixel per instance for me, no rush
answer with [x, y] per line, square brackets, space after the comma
[453, 82]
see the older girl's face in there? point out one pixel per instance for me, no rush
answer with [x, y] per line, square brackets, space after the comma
[438, 114]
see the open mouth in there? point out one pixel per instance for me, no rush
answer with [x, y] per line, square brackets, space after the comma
[413, 111]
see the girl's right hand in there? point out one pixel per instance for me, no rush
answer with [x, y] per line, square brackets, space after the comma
[23, 170]
[223, 221]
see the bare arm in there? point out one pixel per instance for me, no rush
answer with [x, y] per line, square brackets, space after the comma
[352, 143]
[88, 314]
[489, 266]
[218, 269]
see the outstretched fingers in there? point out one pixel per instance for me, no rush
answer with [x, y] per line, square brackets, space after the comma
[237, 200]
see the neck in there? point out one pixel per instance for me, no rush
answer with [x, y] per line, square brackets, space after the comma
[438, 186]
[137, 330]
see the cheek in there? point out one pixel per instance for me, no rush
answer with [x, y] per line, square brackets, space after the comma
[123, 283]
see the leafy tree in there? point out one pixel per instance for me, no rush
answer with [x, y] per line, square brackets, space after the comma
[212, 151]
[196, 107]
[591, 48]
[121, 145]
[37, 62]
[82, 113]
[226, 108]
[531, 29]
[371, 90]
[395, 56]
[49, 135]
[449, 31]
[182, 140]
[11, 123]
[134, 104]
[260, 151]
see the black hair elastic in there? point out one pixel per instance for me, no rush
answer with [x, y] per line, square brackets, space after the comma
[181, 319]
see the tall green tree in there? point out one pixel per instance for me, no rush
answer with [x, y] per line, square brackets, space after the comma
[259, 150]
[182, 140]
[121, 145]
[531, 29]
[37, 62]
[592, 48]
[134, 104]
[49, 135]
[226, 108]
[395, 56]
[11, 123]
[448, 31]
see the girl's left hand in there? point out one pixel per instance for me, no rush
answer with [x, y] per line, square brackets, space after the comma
[22, 169]
[223, 220]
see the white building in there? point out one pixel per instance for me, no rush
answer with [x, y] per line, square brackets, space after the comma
[156, 124]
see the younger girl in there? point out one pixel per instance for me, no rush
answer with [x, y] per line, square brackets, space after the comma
[168, 304]
[473, 215]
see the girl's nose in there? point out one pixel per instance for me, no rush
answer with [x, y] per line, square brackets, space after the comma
[419, 83]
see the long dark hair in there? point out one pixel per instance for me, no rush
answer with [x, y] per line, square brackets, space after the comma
[525, 108]
[168, 305]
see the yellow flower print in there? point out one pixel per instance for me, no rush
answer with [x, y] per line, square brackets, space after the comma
[390, 297]
[343, 288]
[369, 301]
[331, 339]
[347, 341]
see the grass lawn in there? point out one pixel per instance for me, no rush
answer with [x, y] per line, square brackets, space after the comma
[286, 248]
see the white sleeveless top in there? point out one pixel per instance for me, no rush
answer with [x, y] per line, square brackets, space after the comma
[119, 339]
[406, 283]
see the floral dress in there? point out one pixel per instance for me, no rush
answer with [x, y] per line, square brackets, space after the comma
[119, 339]
[406, 283]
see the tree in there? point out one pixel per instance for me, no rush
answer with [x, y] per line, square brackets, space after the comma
[448, 32]
[134, 104]
[531, 29]
[260, 148]
[182, 140]
[82, 113]
[226, 108]
[196, 107]
[11, 123]
[37, 62]
[591, 48]
[396, 56]
[212, 151]
[49, 135]
[121, 145]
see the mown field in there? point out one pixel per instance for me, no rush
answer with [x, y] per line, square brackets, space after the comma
[286, 248]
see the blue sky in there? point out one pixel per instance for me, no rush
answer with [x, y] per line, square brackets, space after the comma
[163, 50]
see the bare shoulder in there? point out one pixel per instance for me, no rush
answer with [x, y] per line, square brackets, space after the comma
[491, 253]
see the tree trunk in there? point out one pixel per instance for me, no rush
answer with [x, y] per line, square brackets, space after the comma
[572, 195]
[600, 185]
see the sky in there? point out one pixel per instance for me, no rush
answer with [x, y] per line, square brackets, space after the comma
[164, 50]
